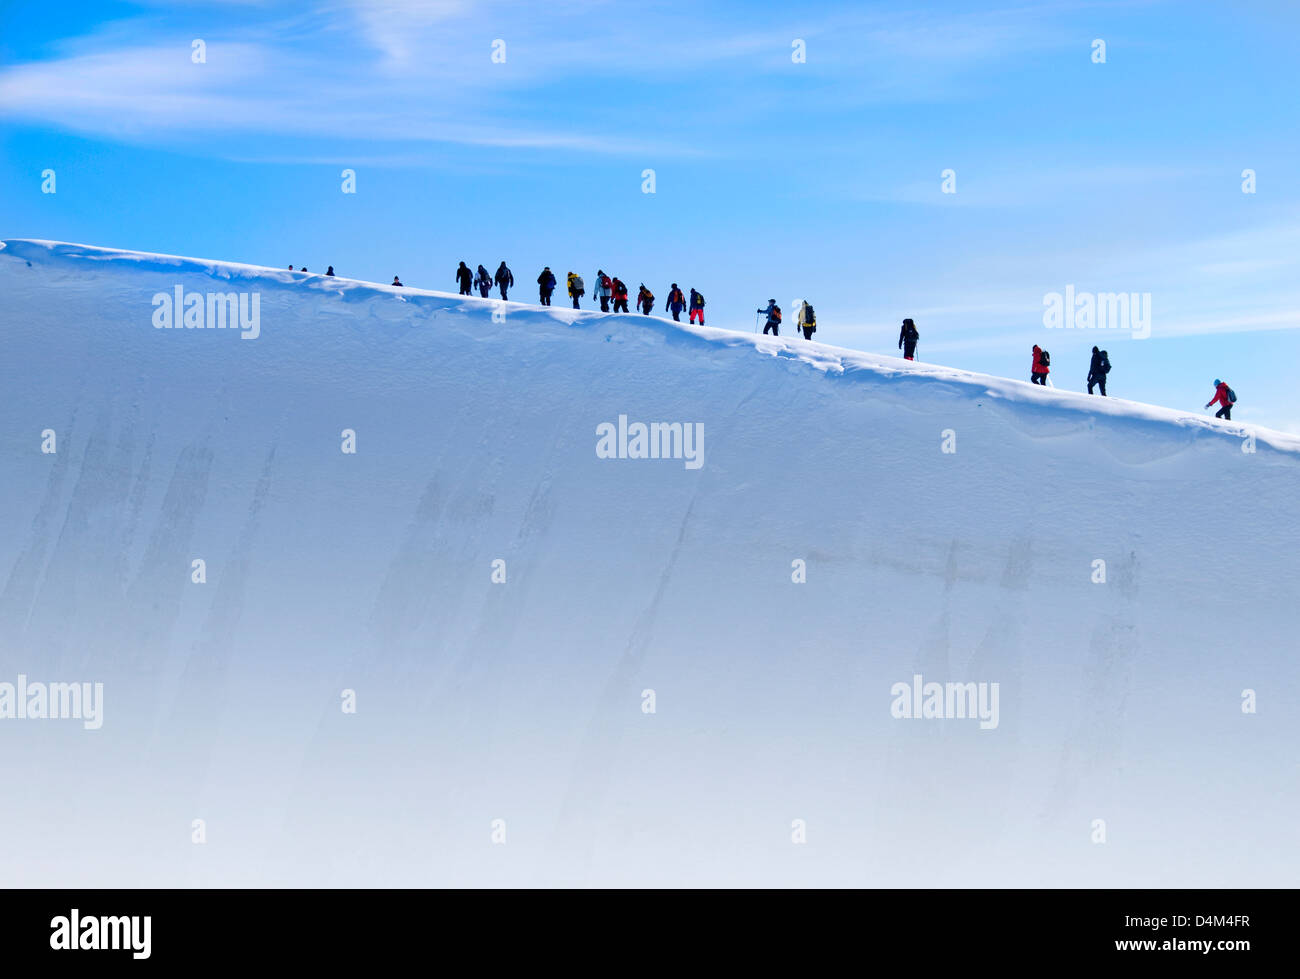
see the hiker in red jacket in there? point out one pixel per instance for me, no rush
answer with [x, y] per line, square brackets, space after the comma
[1042, 365]
[620, 295]
[1224, 396]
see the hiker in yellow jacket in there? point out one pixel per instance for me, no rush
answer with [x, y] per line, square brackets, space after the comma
[807, 319]
[576, 288]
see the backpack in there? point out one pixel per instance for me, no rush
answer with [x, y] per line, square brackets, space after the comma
[1105, 364]
[699, 300]
[776, 313]
[577, 286]
[605, 284]
[1045, 358]
[1232, 396]
[809, 317]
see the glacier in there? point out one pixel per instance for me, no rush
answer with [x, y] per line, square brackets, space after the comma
[370, 607]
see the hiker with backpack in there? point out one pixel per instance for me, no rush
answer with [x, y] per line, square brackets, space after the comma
[676, 303]
[807, 319]
[576, 288]
[465, 278]
[1225, 396]
[697, 306]
[603, 289]
[620, 294]
[773, 314]
[907, 338]
[330, 270]
[504, 279]
[546, 285]
[1042, 366]
[645, 300]
[483, 280]
[1098, 369]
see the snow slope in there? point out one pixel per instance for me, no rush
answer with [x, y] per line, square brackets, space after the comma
[522, 701]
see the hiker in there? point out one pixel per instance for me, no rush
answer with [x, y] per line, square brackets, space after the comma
[603, 289]
[303, 269]
[676, 303]
[1225, 396]
[697, 306]
[1042, 365]
[807, 319]
[396, 281]
[645, 300]
[465, 278]
[290, 268]
[907, 338]
[546, 285]
[483, 280]
[576, 288]
[620, 294]
[330, 270]
[504, 279]
[773, 313]
[1098, 369]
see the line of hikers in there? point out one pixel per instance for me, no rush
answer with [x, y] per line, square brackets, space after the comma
[611, 289]
[1099, 367]
[482, 280]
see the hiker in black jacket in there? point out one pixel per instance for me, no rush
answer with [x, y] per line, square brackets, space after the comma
[465, 278]
[546, 285]
[504, 279]
[1097, 370]
[907, 338]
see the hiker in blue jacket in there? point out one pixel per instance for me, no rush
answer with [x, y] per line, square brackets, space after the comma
[697, 307]
[676, 302]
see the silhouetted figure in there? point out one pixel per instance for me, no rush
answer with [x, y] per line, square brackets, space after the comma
[504, 279]
[907, 338]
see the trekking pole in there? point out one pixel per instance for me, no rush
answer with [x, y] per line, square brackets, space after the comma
[756, 316]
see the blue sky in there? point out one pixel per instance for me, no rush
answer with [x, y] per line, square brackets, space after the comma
[820, 178]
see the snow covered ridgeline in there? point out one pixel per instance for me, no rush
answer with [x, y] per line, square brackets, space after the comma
[222, 307]
[498, 596]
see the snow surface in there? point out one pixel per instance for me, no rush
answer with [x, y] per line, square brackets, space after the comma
[476, 441]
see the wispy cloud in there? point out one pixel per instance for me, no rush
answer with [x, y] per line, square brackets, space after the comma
[421, 70]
